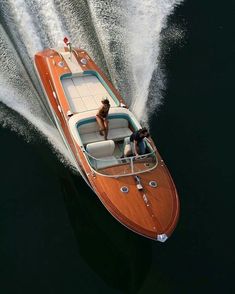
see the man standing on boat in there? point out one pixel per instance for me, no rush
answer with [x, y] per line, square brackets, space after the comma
[101, 118]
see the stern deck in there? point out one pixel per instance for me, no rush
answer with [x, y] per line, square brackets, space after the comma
[85, 92]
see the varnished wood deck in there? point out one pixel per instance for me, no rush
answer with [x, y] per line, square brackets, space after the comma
[125, 168]
[154, 214]
[149, 212]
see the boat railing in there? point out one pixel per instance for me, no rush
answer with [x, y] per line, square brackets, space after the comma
[124, 166]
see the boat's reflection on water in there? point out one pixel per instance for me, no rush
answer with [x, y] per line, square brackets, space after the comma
[121, 258]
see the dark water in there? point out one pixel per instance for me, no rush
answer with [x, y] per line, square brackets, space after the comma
[56, 237]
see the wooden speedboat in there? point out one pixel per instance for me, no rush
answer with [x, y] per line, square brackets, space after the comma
[138, 190]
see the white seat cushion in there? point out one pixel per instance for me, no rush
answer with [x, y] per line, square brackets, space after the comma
[118, 123]
[113, 134]
[118, 134]
[90, 127]
[118, 130]
[101, 149]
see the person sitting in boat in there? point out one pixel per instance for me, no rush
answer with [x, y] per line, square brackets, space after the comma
[101, 118]
[138, 143]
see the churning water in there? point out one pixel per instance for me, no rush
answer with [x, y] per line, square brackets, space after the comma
[123, 37]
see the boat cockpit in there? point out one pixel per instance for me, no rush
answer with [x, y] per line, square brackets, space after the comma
[84, 92]
[107, 157]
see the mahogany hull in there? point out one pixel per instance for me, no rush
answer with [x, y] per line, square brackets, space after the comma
[153, 211]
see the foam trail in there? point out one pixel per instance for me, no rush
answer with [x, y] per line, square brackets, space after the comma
[33, 20]
[131, 32]
[13, 121]
[76, 19]
[124, 36]
[32, 26]
[14, 76]
[48, 23]
[145, 21]
[24, 22]
[13, 100]
[22, 32]
[10, 98]
[108, 20]
[18, 93]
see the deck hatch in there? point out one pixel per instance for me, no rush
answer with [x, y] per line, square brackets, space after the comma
[85, 91]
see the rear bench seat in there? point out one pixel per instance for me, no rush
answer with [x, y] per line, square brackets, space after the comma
[118, 130]
[103, 151]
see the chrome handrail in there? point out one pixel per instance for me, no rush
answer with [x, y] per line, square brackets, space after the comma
[124, 160]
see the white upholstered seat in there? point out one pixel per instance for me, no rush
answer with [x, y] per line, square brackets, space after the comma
[118, 130]
[103, 152]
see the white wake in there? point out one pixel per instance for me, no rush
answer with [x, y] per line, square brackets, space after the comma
[124, 35]
[134, 27]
